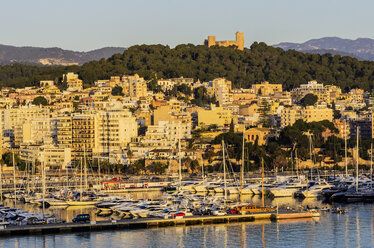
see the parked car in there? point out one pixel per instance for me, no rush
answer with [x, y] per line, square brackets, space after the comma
[82, 218]
[178, 214]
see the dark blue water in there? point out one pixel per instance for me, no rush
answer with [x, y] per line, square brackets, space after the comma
[354, 229]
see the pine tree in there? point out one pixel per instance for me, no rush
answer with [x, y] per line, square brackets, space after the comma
[264, 111]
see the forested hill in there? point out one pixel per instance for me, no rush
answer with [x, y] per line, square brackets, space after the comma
[243, 68]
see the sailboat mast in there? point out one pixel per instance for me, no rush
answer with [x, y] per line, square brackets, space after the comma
[59, 178]
[81, 186]
[262, 182]
[179, 154]
[14, 181]
[310, 154]
[242, 169]
[357, 135]
[224, 169]
[28, 179]
[43, 183]
[1, 184]
[85, 169]
[345, 149]
[371, 164]
[297, 164]
[98, 165]
[202, 169]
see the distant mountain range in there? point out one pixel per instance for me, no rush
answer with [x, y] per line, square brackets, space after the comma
[53, 56]
[361, 48]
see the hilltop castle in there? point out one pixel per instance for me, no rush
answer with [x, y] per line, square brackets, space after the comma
[239, 42]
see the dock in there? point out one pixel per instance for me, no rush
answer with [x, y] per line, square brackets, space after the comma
[148, 223]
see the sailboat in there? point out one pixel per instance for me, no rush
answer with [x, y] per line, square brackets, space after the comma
[252, 208]
[87, 201]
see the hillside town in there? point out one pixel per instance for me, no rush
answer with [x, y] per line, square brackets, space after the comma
[126, 119]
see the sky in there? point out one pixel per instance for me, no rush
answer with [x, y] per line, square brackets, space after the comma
[83, 25]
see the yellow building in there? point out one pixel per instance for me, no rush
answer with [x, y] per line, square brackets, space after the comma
[162, 113]
[327, 94]
[259, 133]
[64, 131]
[309, 114]
[248, 109]
[134, 86]
[51, 90]
[83, 136]
[239, 42]
[73, 82]
[216, 115]
[46, 83]
[266, 89]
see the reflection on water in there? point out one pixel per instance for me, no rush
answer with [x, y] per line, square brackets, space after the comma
[354, 229]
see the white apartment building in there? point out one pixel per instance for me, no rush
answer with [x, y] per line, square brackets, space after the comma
[53, 157]
[222, 91]
[12, 121]
[114, 130]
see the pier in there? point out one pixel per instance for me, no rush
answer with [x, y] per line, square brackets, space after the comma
[148, 223]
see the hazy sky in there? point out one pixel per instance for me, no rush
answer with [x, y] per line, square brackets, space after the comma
[90, 24]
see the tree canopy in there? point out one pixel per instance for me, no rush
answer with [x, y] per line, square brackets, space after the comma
[309, 99]
[243, 68]
[40, 100]
[117, 91]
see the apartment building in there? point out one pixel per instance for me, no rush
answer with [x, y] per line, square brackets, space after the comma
[327, 94]
[63, 131]
[12, 121]
[53, 157]
[134, 86]
[215, 115]
[222, 91]
[266, 88]
[73, 82]
[83, 136]
[309, 114]
[114, 130]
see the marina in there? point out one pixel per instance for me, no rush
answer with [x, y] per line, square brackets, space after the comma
[353, 229]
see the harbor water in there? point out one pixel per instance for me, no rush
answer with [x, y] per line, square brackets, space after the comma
[353, 229]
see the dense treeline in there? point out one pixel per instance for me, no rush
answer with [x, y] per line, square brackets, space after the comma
[243, 68]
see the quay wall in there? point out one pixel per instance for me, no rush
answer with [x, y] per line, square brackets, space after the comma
[141, 223]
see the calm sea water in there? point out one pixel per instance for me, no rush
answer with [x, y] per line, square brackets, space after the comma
[354, 229]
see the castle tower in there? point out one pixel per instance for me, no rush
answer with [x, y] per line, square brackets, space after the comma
[211, 41]
[240, 40]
